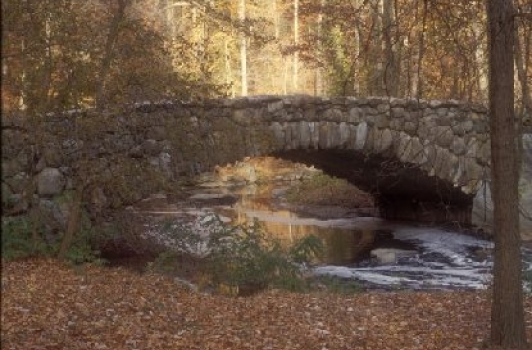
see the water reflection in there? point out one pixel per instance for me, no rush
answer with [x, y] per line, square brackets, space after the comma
[378, 252]
[344, 243]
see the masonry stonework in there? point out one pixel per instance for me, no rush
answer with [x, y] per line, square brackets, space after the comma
[444, 140]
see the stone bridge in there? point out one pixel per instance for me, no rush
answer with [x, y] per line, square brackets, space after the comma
[416, 156]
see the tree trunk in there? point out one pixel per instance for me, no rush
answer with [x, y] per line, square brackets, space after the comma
[355, 71]
[507, 314]
[243, 48]
[522, 61]
[108, 54]
[391, 83]
[73, 225]
[419, 74]
[295, 76]
[318, 78]
[376, 81]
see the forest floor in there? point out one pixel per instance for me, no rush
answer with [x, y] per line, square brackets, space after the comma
[49, 305]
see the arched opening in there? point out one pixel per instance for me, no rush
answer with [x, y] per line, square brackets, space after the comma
[403, 191]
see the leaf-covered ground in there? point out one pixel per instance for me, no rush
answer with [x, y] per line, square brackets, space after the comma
[46, 305]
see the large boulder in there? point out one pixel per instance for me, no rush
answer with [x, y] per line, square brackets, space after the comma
[483, 205]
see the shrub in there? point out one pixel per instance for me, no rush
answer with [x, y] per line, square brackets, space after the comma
[18, 242]
[241, 259]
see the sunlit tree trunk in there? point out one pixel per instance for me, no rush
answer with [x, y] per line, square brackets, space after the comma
[295, 73]
[418, 91]
[507, 313]
[375, 83]
[356, 58]
[276, 25]
[228, 69]
[480, 58]
[243, 48]
[522, 61]
[391, 70]
[318, 78]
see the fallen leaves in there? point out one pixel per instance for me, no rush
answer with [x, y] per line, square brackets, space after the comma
[47, 305]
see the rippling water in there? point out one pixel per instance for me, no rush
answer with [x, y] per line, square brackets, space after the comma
[378, 253]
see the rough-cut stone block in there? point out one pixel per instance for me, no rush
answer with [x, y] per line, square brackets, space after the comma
[314, 135]
[484, 152]
[472, 148]
[309, 114]
[458, 146]
[304, 135]
[410, 127]
[275, 106]
[385, 140]
[323, 135]
[462, 128]
[151, 147]
[343, 134]
[278, 133]
[397, 124]
[404, 148]
[354, 115]
[397, 112]
[294, 131]
[383, 108]
[333, 114]
[419, 155]
[50, 182]
[352, 136]
[381, 121]
[361, 135]
[287, 136]
[444, 136]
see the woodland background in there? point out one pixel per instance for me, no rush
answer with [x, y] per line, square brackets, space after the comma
[63, 54]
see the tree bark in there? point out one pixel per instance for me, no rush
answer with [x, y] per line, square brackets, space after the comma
[108, 54]
[419, 73]
[73, 225]
[507, 314]
[243, 48]
[295, 76]
[391, 72]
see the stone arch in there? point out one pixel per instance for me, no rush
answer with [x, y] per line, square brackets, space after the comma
[436, 150]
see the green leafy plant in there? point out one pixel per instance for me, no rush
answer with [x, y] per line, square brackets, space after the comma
[247, 258]
[81, 250]
[17, 240]
[238, 260]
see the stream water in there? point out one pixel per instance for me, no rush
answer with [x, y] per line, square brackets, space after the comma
[378, 253]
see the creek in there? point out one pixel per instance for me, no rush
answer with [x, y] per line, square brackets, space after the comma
[380, 254]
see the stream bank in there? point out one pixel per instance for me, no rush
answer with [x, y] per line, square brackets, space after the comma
[360, 246]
